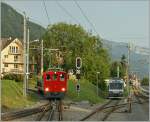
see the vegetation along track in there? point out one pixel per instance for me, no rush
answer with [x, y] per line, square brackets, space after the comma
[23, 113]
[139, 97]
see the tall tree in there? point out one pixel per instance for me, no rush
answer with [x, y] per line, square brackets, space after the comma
[74, 41]
[122, 67]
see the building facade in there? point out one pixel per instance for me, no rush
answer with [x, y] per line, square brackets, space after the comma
[11, 56]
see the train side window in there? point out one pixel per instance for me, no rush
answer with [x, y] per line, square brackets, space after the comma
[55, 77]
[62, 77]
[48, 77]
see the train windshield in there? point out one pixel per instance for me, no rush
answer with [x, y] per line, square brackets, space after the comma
[62, 77]
[48, 77]
[55, 77]
[115, 86]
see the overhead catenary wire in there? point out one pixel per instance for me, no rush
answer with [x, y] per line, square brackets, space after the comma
[66, 11]
[37, 22]
[46, 11]
[85, 16]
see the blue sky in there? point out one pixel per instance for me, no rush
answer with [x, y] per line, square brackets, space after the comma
[120, 21]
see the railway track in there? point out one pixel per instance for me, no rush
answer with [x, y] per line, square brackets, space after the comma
[111, 110]
[111, 104]
[23, 113]
[53, 108]
[54, 112]
[96, 110]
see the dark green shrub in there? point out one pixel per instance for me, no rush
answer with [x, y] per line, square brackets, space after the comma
[16, 77]
[145, 81]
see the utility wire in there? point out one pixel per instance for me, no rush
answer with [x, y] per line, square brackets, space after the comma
[83, 13]
[46, 11]
[65, 10]
[36, 21]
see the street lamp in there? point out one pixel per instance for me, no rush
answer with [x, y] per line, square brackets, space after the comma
[97, 81]
[28, 45]
[27, 58]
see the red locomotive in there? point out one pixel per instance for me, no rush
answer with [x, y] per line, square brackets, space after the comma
[54, 84]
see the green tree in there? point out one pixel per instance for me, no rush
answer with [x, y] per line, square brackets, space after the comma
[122, 67]
[74, 41]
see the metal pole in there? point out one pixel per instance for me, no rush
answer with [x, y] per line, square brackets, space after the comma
[50, 59]
[97, 81]
[24, 45]
[41, 57]
[78, 91]
[129, 95]
[118, 71]
[0, 67]
[28, 60]
[128, 67]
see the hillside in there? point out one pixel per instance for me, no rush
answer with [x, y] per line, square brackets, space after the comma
[12, 24]
[116, 50]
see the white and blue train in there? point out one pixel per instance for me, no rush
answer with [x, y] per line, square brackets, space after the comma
[116, 88]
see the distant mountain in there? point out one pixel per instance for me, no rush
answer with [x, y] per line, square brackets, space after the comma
[137, 61]
[12, 24]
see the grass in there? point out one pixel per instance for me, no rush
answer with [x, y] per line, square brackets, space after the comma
[87, 92]
[12, 95]
[32, 83]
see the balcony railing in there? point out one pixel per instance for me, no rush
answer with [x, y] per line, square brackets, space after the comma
[14, 53]
[12, 61]
[16, 71]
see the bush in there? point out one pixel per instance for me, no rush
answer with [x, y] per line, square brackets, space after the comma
[16, 77]
[145, 81]
[102, 85]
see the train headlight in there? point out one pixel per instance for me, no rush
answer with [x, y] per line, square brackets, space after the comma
[63, 89]
[46, 89]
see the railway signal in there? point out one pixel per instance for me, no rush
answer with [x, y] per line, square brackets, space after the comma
[78, 87]
[78, 62]
[78, 66]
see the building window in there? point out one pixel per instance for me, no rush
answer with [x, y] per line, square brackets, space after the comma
[15, 65]
[5, 65]
[16, 49]
[5, 56]
[13, 49]
[9, 48]
[15, 58]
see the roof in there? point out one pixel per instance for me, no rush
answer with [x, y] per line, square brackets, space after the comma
[5, 42]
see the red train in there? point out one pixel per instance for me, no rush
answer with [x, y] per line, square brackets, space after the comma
[53, 84]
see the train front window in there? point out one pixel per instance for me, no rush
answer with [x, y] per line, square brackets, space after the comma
[48, 77]
[55, 77]
[62, 77]
[115, 86]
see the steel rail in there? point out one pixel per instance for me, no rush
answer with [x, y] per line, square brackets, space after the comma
[57, 106]
[60, 111]
[96, 110]
[42, 114]
[51, 114]
[112, 110]
[22, 113]
[106, 107]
